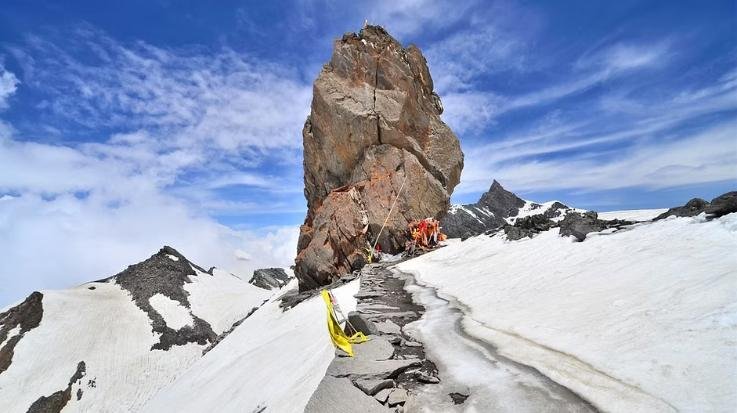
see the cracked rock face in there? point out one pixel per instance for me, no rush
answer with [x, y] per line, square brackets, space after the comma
[374, 124]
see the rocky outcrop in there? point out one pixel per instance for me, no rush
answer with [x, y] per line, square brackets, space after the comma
[165, 273]
[269, 278]
[55, 402]
[492, 212]
[579, 224]
[15, 323]
[528, 226]
[722, 205]
[374, 134]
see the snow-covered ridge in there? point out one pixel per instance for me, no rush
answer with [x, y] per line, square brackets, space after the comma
[639, 320]
[113, 327]
[273, 361]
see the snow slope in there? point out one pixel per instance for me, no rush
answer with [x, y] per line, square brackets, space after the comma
[638, 320]
[633, 215]
[99, 323]
[273, 360]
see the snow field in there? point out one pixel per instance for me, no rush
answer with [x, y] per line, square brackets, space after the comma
[638, 320]
[274, 359]
[105, 329]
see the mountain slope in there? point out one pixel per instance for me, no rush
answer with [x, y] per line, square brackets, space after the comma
[272, 362]
[496, 208]
[110, 345]
[642, 319]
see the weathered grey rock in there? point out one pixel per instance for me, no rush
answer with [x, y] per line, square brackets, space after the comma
[383, 395]
[371, 387]
[270, 278]
[722, 205]
[339, 395]
[528, 226]
[377, 348]
[360, 323]
[388, 327]
[368, 369]
[397, 396]
[579, 225]
[692, 208]
[490, 213]
[374, 125]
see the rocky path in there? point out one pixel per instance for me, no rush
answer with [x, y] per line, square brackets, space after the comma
[387, 370]
[450, 371]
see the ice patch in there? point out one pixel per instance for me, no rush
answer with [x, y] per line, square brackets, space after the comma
[172, 257]
[175, 315]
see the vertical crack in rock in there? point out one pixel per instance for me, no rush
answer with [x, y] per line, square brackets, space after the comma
[55, 402]
[374, 122]
[18, 320]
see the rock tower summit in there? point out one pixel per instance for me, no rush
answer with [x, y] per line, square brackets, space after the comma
[374, 125]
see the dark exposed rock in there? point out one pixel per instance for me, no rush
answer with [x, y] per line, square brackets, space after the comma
[528, 226]
[374, 134]
[722, 205]
[162, 274]
[580, 224]
[491, 212]
[692, 208]
[500, 201]
[555, 210]
[270, 278]
[26, 316]
[458, 398]
[55, 402]
[463, 221]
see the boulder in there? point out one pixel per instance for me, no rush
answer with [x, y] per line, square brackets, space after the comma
[692, 208]
[528, 226]
[579, 224]
[722, 205]
[374, 134]
[269, 278]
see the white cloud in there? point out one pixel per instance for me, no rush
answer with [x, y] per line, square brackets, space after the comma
[191, 122]
[410, 17]
[60, 242]
[8, 85]
[707, 156]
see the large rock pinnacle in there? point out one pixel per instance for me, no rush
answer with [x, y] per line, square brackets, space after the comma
[374, 125]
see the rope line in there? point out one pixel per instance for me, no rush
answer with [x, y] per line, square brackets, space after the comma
[371, 254]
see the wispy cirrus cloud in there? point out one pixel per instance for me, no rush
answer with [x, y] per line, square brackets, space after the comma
[148, 145]
[8, 85]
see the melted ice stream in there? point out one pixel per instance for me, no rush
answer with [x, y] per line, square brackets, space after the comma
[473, 367]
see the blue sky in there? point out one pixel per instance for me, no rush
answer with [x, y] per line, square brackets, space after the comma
[127, 125]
